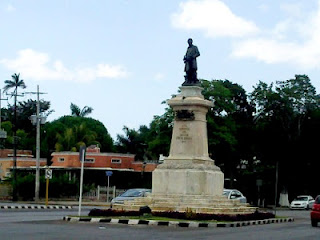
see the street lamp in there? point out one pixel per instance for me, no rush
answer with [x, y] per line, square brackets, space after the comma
[37, 120]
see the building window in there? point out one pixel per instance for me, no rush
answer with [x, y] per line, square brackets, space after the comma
[118, 161]
[60, 159]
[89, 160]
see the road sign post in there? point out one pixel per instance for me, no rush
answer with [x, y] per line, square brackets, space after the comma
[82, 155]
[109, 174]
[48, 176]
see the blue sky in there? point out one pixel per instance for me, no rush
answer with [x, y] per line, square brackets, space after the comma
[124, 57]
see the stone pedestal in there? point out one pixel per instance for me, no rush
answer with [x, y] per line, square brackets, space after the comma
[188, 179]
[188, 170]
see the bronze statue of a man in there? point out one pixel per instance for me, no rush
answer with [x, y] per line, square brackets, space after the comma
[191, 64]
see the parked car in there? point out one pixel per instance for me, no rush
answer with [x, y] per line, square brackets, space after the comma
[302, 202]
[315, 213]
[131, 194]
[234, 194]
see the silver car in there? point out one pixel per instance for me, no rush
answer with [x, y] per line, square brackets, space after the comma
[234, 194]
[131, 194]
[302, 202]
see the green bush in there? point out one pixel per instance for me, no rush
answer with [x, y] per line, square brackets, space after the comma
[61, 186]
[188, 215]
[26, 186]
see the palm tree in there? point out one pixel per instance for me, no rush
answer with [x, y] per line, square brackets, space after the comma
[72, 138]
[15, 83]
[76, 111]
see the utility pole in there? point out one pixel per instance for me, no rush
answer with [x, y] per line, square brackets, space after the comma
[3, 134]
[15, 140]
[36, 120]
[276, 188]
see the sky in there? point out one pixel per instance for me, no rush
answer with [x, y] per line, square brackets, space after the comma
[123, 58]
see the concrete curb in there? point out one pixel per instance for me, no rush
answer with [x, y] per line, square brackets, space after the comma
[34, 207]
[175, 223]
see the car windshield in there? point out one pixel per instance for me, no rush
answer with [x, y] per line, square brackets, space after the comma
[132, 193]
[301, 199]
[317, 200]
[226, 192]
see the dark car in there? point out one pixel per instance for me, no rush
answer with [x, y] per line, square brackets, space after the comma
[315, 213]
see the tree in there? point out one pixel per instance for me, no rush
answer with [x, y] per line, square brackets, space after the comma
[132, 142]
[24, 110]
[76, 111]
[160, 134]
[229, 125]
[73, 138]
[283, 112]
[67, 132]
[14, 83]
[148, 142]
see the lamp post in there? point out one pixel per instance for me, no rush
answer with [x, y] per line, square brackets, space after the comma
[37, 120]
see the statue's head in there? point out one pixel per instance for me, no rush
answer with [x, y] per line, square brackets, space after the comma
[190, 41]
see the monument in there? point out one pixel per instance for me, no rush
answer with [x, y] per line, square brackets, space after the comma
[188, 179]
[191, 66]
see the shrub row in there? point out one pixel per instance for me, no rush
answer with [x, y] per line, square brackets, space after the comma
[188, 215]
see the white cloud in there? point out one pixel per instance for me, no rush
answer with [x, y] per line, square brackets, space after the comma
[37, 66]
[10, 8]
[293, 41]
[213, 17]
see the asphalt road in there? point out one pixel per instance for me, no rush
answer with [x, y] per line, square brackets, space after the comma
[47, 224]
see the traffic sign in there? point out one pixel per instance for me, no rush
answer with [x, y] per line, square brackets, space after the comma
[82, 153]
[3, 134]
[109, 173]
[48, 174]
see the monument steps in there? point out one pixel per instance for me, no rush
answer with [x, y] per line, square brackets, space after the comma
[196, 209]
[197, 204]
[169, 200]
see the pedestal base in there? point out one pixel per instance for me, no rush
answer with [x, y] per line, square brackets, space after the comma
[184, 203]
[187, 185]
[184, 177]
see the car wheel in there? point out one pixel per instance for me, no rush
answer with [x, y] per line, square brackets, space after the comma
[307, 207]
[314, 223]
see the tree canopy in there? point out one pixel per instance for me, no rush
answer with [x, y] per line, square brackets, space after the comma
[68, 133]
